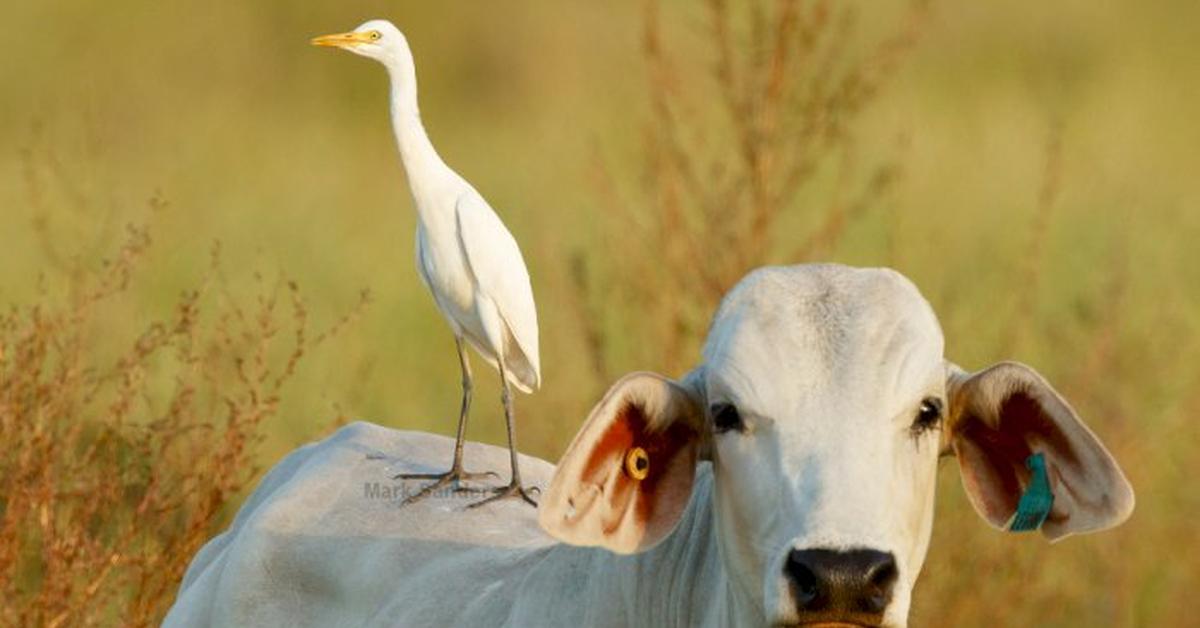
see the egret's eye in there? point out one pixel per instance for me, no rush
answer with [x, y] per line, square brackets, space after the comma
[725, 417]
[929, 415]
[375, 35]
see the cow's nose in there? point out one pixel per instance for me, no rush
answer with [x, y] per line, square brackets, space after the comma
[830, 583]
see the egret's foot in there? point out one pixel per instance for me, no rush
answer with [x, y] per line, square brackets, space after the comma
[451, 474]
[513, 490]
[452, 478]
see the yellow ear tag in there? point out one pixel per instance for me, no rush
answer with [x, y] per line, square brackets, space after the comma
[637, 463]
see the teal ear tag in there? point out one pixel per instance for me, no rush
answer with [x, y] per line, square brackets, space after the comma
[1035, 503]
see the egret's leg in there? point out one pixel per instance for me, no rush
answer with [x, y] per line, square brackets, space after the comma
[514, 488]
[465, 365]
[456, 474]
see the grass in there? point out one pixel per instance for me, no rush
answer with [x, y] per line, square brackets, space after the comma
[727, 186]
[116, 470]
[1031, 167]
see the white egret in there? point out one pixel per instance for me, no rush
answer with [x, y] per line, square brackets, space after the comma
[465, 255]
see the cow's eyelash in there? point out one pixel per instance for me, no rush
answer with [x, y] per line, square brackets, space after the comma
[929, 416]
[726, 418]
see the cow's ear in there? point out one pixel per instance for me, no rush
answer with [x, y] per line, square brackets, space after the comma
[627, 477]
[999, 419]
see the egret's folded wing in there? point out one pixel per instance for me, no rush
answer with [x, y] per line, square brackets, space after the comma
[495, 260]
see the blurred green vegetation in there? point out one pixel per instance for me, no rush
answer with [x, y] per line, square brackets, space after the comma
[284, 154]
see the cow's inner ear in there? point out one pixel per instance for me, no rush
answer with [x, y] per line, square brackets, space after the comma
[999, 419]
[625, 480]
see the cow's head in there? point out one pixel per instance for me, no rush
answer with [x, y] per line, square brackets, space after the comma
[823, 404]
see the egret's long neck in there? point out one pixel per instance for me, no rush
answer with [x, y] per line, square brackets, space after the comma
[421, 161]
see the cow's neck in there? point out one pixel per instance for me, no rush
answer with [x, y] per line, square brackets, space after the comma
[681, 581]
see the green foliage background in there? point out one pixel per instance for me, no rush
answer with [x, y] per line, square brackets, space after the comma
[283, 153]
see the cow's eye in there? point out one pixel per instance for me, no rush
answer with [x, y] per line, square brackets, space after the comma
[725, 418]
[929, 415]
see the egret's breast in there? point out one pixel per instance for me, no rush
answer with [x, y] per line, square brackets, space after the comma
[441, 261]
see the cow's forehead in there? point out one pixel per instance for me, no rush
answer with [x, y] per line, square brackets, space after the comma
[785, 331]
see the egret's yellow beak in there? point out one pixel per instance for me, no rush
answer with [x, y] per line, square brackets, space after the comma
[342, 40]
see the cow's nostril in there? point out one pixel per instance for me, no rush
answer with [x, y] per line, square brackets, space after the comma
[804, 582]
[834, 584]
[879, 589]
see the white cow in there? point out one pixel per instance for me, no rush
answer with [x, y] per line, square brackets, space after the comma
[787, 480]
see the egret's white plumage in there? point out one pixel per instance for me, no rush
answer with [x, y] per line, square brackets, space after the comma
[495, 263]
[464, 253]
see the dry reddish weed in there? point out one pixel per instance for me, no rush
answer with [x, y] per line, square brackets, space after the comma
[716, 185]
[113, 474]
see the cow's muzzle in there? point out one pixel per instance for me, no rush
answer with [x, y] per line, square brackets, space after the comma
[840, 587]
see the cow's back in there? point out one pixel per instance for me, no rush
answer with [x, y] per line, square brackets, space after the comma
[324, 541]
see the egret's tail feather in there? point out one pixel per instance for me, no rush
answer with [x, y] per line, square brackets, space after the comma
[522, 374]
